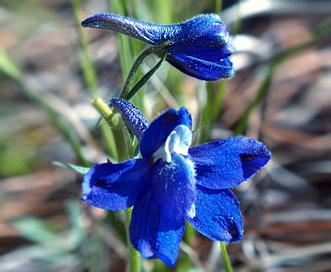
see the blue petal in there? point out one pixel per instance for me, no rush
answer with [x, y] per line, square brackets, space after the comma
[226, 163]
[132, 116]
[200, 68]
[217, 215]
[147, 32]
[153, 234]
[203, 37]
[205, 25]
[203, 30]
[158, 218]
[201, 48]
[158, 131]
[115, 186]
[172, 184]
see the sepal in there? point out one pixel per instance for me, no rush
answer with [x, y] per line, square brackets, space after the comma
[132, 116]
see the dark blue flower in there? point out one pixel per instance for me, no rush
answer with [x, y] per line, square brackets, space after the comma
[172, 181]
[132, 116]
[199, 47]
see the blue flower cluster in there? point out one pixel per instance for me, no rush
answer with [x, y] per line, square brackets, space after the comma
[172, 182]
[199, 47]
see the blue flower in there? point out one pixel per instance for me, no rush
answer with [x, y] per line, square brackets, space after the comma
[172, 182]
[199, 47]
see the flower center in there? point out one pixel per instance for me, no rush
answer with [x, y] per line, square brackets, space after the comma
[179, 141]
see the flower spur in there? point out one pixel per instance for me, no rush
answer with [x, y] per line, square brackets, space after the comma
[171, 182]
[199, 47]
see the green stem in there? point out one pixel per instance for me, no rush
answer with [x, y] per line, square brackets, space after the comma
[134, 255]
[134, 69]
[145, 78]
[88, 68]
[225, 257]
[218, 6]
[258, 98]
[115, 122]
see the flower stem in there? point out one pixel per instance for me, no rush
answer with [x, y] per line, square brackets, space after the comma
[114, 121]
[145, 78]
[226, 260]
[134, 255]
[134, 69]
[218, 6]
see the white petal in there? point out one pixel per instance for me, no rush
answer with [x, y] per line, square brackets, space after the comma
[179, 141]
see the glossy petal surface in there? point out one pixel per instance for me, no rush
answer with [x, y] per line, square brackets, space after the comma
[217, 215]
[115, 186]
[172, 185]
[200, 68]
[199, 47]
[226, 163]
[159, 130]
[153, 234]
[158, 217]
[202, 48]
[147, 32]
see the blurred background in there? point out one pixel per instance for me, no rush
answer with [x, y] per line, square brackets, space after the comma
[281, 95]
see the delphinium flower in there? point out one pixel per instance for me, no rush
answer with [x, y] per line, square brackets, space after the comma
[199, 47]
[172, 181]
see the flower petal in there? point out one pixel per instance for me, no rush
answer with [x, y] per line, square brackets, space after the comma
[158, 218]
[213, 47]
[226, 163]
[202, 48]
[178, 141]
[147, 32]
[199, 47]
[153, 234]
[217, 215]
[204, 30]
[158, 131]
[200, 68]
[172, 184]
[115, 186]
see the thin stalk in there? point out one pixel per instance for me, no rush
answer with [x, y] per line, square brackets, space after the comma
[218, 6]
[260, 95]
[237, 23]
[145, 78]
[88, 68]
[110, 145]
[134, 255]
[134, 69]
[115, 122]
[225, 257]
[126, 54]
[218, 100]
[206, 121]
